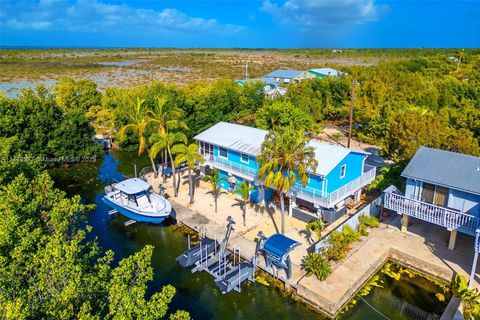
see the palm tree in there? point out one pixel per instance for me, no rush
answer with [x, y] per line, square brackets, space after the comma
[244, 189]
[165, 142]
[214, 179]
[285, 158]
[190, 155]
[137, 123]
[165, 119]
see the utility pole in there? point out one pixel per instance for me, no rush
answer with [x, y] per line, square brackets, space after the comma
[352, 98]
[246, 71]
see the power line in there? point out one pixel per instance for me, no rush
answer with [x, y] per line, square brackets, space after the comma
[368, 304]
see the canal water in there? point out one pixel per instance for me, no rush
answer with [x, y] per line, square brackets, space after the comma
[196, 293]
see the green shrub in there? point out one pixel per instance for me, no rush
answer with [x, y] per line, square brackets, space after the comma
[340, 242]
[315, 226]
[362, 229]
[316, 264]
[369, 221]
[350, 235]
[470, 297]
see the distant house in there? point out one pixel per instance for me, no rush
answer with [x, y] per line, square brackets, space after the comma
[442, 188]
[270, 88]
[286, 76]
[325, 72]
[453, 58]
[339, 177]
[270, 84]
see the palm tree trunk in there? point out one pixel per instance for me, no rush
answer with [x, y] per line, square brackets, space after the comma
[175, 191]
[216, 198]
[282, 209]
[164, 165]
[179, 181]
[244, 213]
[155, 173]
[190, 185]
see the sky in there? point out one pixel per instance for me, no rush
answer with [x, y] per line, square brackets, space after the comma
[240, 23]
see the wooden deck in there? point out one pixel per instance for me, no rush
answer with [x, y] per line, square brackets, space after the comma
[450, 219]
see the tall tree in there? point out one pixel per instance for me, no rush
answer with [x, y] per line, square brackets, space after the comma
[190, 155]
[137, 123]
[285, 159]
[165, 142]
[50, 270]
[215, 180]
[244, 189]
[165, 118]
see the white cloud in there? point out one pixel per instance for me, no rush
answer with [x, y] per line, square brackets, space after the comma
[324, 14]
[95, 16]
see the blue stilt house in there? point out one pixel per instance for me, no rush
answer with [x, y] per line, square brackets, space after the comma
[339, 178]
[442, 188]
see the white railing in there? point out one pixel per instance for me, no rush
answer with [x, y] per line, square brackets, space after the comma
[230, 166]
[317, 197]
[441, 216]
[366, 178]
[322, 199]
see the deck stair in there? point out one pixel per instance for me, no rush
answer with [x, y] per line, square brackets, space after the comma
[112, 212]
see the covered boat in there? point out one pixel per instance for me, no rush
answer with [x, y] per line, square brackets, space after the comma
[135, 199]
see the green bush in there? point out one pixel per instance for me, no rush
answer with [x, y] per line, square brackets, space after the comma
[350, 235]
[315, 226]
[362, 229]
[369, 221]
[316, 264]
[339, 242]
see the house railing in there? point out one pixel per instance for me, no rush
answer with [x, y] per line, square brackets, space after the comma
[441, 216]
[366, 178]
[328, 200]
[226, 165]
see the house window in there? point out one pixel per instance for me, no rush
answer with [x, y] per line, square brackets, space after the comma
[244, 158]
[343, 171]
[222, 152]
[435, 194]
[428, 191]
[206, 148]
[441, 196]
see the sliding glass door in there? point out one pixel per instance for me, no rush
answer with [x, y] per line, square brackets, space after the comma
[435, 194]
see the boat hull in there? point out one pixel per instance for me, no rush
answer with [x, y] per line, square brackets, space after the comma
[135, 216]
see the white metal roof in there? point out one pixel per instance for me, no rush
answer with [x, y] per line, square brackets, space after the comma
[249, 140]
[234, 136]
[327, 71]
[328, 156]
[132, 186]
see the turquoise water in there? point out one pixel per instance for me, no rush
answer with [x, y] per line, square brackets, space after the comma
[197, 293]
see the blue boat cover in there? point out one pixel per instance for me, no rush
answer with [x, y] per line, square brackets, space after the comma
[279, 245]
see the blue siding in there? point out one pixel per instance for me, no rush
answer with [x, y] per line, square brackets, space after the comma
[315, 182]
[224, 184]
[235, 157]
[458, 200]
[354, 169]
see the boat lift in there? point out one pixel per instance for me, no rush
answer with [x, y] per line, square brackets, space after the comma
[225, 266]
